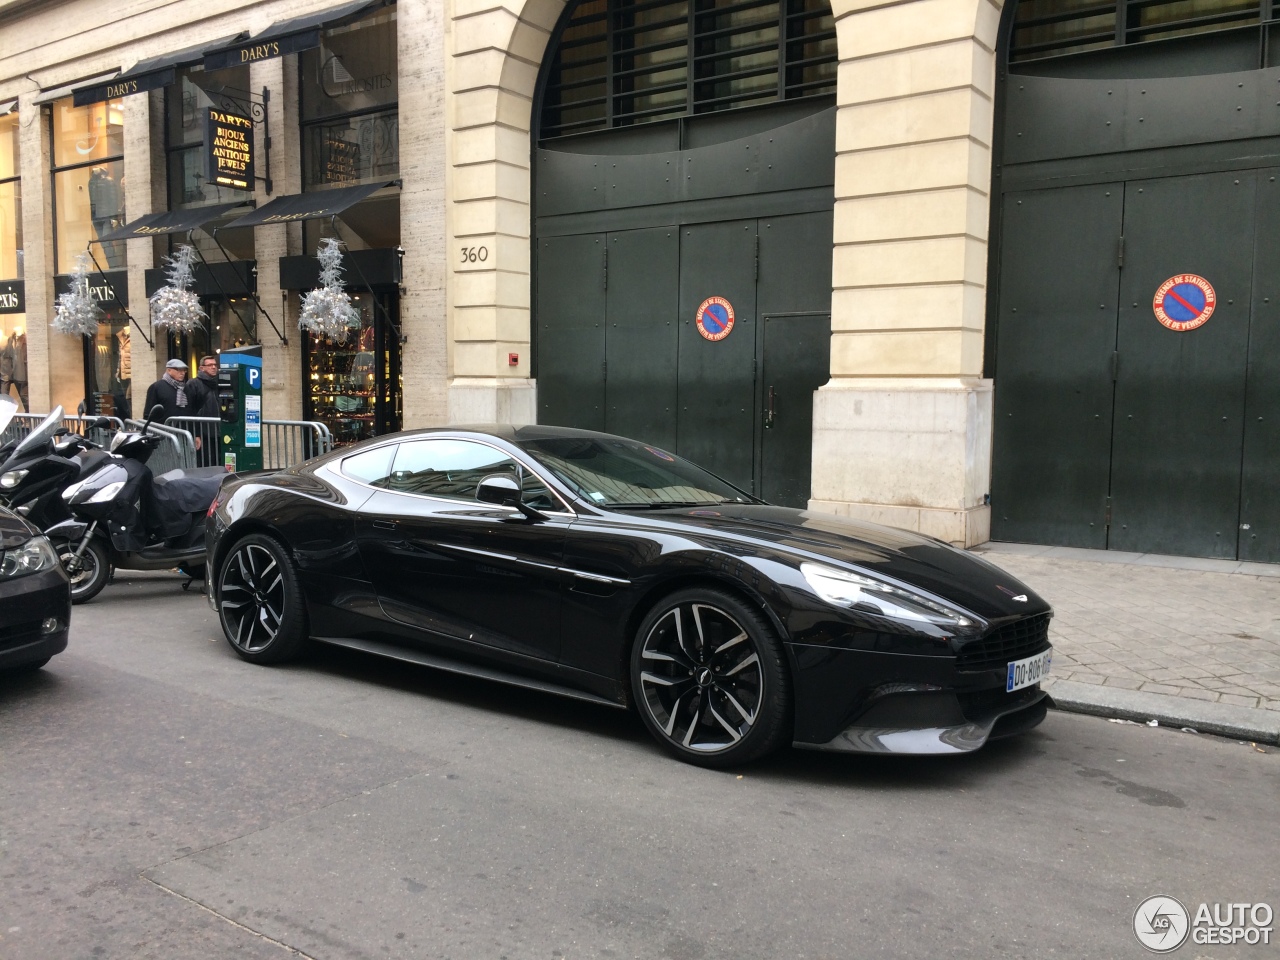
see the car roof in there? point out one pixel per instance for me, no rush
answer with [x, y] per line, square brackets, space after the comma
[513, 433]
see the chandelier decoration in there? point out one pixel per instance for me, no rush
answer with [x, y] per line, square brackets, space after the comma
[327, 311]
[75, 313]
[175, 307]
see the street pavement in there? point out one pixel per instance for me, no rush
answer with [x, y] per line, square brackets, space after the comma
[160, 799]
[1179, 640]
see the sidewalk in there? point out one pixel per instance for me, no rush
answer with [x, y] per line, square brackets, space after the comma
[1188, 642]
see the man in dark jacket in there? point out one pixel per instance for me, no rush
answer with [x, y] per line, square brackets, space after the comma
[170, 392]
[203, 393]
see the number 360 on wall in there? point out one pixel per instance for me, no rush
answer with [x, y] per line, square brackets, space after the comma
[474, 254]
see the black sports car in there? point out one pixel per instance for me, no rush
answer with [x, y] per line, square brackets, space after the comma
[606, 569]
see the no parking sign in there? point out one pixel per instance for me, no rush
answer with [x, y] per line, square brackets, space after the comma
[715, 318]
[1184, 302]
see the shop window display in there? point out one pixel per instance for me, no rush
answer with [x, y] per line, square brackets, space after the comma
[88, 182]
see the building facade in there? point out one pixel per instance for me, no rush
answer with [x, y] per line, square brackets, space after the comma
[780, 237]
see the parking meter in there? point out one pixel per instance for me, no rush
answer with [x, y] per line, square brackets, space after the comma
[240, 406]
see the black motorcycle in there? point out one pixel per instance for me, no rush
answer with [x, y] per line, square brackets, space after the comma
[34, 470]
[123, 517]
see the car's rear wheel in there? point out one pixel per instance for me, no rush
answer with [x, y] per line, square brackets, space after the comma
[260, 601]
[88, 572]
[709, 679]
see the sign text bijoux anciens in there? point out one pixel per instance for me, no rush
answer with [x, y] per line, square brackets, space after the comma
[228, 149]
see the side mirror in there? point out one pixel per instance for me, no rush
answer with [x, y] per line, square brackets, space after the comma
[80, 408]
[101, 422]
[499, 490]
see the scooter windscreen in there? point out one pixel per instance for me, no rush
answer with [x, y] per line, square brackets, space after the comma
[39, 435]
[8, 407]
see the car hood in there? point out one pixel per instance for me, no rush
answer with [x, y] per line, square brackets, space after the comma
[901, 555]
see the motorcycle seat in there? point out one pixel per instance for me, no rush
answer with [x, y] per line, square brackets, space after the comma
[187, 491]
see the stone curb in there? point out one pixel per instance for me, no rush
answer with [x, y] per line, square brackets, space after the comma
[1248, 723]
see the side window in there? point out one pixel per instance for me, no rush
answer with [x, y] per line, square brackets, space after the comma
[371, 466]
[454, 468]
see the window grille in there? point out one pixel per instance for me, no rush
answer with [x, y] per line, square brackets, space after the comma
[1052, 28]
[623, 62]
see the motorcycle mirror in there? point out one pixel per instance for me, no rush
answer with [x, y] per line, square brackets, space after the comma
[80, 408]
[101, 422]
[156, 411]
[61, 432]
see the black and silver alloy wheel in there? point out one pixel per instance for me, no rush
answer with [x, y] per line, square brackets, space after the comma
[709, 679]
[259, 601]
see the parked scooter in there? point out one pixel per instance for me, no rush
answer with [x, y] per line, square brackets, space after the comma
[34, 470]
[124, 518]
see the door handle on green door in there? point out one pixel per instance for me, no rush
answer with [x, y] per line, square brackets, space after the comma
[769, 410]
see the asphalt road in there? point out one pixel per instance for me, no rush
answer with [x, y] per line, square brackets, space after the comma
[161, 798]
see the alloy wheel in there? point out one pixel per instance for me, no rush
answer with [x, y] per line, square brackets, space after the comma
[252, 597]
[701, 677]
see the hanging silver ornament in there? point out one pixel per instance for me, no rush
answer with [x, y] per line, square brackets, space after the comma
[327, 311]
[75, 313]
[175, 307]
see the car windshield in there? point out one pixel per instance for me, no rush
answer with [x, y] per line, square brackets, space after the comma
[626, 474]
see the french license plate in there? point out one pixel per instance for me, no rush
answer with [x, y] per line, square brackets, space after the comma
[1023, 673]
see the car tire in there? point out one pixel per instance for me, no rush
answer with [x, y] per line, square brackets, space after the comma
[709, 678]
[92, 569]
[260, 602]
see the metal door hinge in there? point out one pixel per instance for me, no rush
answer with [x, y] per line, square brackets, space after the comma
[604, 369]
[1120, 253]
[757, 254]
[606, 268]
[1106, 518]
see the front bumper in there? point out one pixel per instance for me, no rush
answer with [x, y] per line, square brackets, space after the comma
[871, 702]
[25, 604]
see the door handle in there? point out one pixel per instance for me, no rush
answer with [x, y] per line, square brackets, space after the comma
[384, 524]
[769, 410]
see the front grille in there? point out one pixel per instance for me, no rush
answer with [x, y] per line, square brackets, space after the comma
[19, 634]
[1011, 642]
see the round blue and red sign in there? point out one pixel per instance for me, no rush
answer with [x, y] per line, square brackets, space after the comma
[715, 318]
[1184, 302]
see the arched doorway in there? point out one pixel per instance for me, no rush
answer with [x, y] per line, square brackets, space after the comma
[682, 227]
[1134, 334]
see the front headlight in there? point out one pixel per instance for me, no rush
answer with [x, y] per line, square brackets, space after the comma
[107, 493]
[31, 557]
[842, 588]
[12, 478]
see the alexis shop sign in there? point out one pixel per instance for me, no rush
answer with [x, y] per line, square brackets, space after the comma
[100, 288]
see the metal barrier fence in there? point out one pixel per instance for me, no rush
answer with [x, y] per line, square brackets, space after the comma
[23, 423]
[178, 451]
[284, 442]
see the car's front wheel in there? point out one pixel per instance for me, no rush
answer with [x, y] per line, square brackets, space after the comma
[709, 678]
[260, 601]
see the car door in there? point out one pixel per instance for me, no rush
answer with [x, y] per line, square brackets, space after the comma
[464, 573]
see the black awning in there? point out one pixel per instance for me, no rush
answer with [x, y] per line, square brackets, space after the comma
[150, 74]
[170, 221]
[289, 36]
[308, 206]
